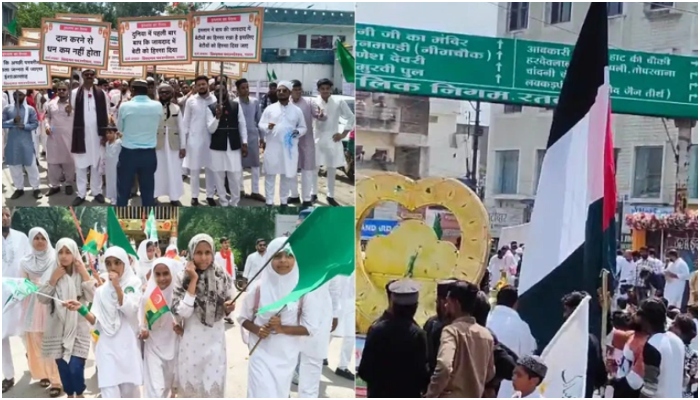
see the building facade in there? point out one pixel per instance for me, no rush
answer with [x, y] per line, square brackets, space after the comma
[9, 34]
[644, 146]
[300, 44]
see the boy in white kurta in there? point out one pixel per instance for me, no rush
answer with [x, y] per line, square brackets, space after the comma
[282, 123]
[114, 315]
[170, 149]
[112, 149]
[161, 341]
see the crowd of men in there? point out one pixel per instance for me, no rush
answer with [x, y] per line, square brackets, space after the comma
[119, 138]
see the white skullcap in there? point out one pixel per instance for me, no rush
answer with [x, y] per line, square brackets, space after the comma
[212, 81]
[286, 84]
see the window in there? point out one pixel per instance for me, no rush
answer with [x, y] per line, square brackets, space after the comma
[616, 156]
[614, 9]
[558, 13]
[301, 41]
[693, 172]
[538, 169]
[660, 5]
[321, 42]
[463, 129]
[512, 108]
[648, 164]
[518, 14]
[507, 171]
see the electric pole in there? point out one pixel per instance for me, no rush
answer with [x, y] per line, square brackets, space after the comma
[475, 150]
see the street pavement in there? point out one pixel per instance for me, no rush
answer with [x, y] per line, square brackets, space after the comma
[344, 187]
[332, 386]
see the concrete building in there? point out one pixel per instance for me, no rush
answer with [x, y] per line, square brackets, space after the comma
[644, 146]
[417, 136]
[9, 11]
[300, 44]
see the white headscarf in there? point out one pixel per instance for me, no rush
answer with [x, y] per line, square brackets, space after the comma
[162, 336]
[274, 286]
[286, 84]
[143, 265]
[67, 288]
[105, 308]
[38, 262]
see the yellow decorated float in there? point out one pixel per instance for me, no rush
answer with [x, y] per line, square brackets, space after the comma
[412, 249]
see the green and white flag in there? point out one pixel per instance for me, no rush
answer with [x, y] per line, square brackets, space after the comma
[320, 256]
[271, 76]
[150, 229]
[18, 289]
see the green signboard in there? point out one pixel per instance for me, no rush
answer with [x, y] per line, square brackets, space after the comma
[514, 71]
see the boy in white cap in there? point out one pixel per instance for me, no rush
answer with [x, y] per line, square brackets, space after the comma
[527, 376]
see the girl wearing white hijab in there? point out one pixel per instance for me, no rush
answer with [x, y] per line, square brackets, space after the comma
[34, 266]
[147, 254]
[271, 366]
[67, 336]
[202, 300]
[114, 315]
[160, 340]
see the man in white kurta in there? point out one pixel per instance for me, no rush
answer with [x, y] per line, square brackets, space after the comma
[94, 150]
[255, 261]
[282, 123]
[346, 324]
[307, 150]
[15, 245]
[170, 149]
[505, 322]
[329, 146]
[198, 140]
[677, 274]
[228, 163]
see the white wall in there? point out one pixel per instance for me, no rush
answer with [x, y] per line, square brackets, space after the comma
[286, 35]
[308, 74]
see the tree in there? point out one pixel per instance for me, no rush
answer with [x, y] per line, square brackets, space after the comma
[29, 14]
[58, 221]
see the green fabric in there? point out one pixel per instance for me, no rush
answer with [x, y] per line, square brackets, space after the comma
[19, 289]
[12, 27]
[151, 231]
[115, 234]
[90, 247]
[320, 256]
[437, 226]
[347, 62]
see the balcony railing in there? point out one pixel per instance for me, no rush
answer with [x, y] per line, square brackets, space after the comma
[140, 212]
[377, 118]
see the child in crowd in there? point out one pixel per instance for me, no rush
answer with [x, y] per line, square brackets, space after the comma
[527, 376]
[112, 149]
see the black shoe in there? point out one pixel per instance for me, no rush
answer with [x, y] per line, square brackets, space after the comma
[53, 191]
[306, 205]
[283, 206]
[344, 373]
[7, 384]
[314, 198]
[229, 321]
[100, 199]
[194, 203]
[37, 194]
[78, 201]
[293, 200]
[257, 197]
[69, 190]
[16, 195]
[325, 362]
[332, 202]
[176, 203]
[211, 202]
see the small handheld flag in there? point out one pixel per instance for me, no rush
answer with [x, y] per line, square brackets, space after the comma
[19, 288]
[156, 307]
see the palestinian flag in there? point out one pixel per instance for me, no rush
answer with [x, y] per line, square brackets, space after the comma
[156, 307]
[572, 230]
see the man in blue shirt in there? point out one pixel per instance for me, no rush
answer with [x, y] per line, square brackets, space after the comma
[138, 122]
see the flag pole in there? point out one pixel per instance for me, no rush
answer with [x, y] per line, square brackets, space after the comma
[260, 339]
[605, 304]
[50, 297]
[261, 269]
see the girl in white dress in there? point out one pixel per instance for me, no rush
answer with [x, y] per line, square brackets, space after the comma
[114, 315]
[160, 340]
[202, 300]
[271, 366]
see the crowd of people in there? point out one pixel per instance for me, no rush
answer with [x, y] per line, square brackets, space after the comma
[156, 325]
[149, 136]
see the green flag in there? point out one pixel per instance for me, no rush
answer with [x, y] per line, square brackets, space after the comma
[115, 234]
[320, 256]
[90, 247]
[437, 226]
[274, 75]
[19, 289]
[12, 27]
[271, 76]
[347, 62]
[150, 229]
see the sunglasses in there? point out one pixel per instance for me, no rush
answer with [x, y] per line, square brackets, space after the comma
[88, 75]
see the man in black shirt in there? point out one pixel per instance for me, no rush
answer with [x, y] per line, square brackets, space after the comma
[433, 326]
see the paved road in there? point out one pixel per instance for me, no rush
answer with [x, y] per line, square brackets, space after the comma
[236, 382]
[345, 192]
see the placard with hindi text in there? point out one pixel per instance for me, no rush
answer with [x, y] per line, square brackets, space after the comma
[229, 35]
[74, 44]
[21, 70]
[154, 40]
[117, 71]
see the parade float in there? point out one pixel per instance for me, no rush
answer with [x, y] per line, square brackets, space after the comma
[133, 222]
[677, 230]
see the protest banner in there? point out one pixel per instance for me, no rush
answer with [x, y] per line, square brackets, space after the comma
[55, 70]
[74, 44]
[26, 42]
[231, 69]
[21, 70]
[79, 17]
[117, 71]
[114, 39]
[154, 40]
[186, 70]
[31, 33]
[229, 35]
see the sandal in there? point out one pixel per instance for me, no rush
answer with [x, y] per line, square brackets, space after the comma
[44, 383]
[7, 384]
[54, 392]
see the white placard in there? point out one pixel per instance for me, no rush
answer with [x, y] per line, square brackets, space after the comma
[231, 69]
[156, 41]
[80, 44]
[60, 70]
[31, 33]
[80, 17]
[25, 42]
[117, 71]
[233, 35]
[21, 70]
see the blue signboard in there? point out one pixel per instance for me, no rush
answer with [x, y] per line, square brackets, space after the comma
[377, 227]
